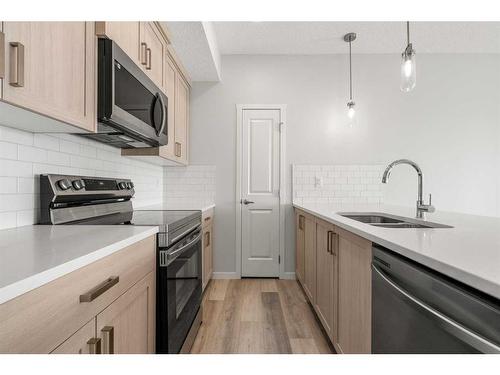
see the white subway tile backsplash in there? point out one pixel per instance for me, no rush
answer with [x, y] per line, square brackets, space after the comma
[191, 186]
[24, 156]
[29, 153]
[341, 183]
[8, 150]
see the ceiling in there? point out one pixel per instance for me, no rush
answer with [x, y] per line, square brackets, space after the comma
[317, 38]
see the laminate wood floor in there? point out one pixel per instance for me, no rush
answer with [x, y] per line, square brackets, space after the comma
[258, 316]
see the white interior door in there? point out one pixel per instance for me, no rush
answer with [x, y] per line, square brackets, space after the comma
[260, 184]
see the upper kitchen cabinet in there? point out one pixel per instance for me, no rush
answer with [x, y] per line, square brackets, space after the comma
[127, 35]
[49, 69]
[153, 52]
[181, 119]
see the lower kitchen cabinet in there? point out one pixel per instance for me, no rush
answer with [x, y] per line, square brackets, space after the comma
[127, 326]
[300, 239]
[337, 281]
[310, 258]
[354, 293]
[110, 302]
[207, 248]
[326, 276]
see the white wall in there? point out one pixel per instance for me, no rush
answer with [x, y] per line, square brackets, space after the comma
[449, 125]
[24, 156]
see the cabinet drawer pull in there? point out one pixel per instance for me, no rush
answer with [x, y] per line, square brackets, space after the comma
[16, 64]
[207, 218]
[95, 292]
[148, 58]
[329, 242]
[2, 55]
[94, 346]
[178, 149]
[207, 239]
[108, 340]
[144, 47]
[301, 222]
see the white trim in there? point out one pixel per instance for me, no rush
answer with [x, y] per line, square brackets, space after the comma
[282, 190]
[225, 275]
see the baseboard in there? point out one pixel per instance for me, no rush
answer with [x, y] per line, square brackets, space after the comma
[288, 276]
[225, 275]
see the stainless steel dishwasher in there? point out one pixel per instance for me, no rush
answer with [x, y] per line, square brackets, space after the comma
[417, 310]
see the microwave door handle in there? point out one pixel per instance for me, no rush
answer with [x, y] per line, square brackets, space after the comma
[164, 114]
[452, 327]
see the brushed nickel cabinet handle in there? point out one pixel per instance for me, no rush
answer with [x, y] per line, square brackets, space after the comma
[144, 59]
[178, 149]
[2, 55]
[16, 64]
[329, 241]
[207, 239]
[148, 58]
[108, 340]
[95, 292]
[301, 222]
[94, 346]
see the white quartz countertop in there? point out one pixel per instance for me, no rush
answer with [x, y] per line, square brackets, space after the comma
[469, 252]
[163, 206]
[32, 256]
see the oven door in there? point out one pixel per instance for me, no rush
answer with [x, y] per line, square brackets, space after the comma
[129, 101]
[179, 292]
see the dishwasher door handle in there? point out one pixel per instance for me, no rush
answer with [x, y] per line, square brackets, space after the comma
[451, 326]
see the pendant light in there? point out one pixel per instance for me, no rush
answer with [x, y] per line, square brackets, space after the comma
[408, 64]
[351, 111]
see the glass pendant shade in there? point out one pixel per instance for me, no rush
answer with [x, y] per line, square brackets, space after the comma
[408, 70]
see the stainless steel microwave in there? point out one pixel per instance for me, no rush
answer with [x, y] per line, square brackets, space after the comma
[131, 110]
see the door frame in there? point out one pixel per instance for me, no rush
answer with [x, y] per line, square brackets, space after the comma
[282, 190]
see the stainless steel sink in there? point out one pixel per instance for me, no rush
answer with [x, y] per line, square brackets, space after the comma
[383, 220]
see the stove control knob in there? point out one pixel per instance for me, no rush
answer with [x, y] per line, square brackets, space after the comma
[64, 184]
[129, 185]
[78, 184]
[122, 185]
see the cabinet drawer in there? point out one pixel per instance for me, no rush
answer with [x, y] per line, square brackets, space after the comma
[40, 320]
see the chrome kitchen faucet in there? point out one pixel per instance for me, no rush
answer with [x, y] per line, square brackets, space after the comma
[421, 206]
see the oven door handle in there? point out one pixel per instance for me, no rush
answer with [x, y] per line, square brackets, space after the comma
[176, 253]
[452, 327]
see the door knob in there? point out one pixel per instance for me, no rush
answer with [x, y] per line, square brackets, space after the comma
[245, 202]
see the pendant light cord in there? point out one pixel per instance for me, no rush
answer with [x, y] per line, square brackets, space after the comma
[350, 71]
[407, 33]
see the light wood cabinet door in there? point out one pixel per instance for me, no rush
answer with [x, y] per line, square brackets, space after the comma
[127, 326]
[310, 258]
[325, 274]
[354, 293]
[50, 69]
[170, 74]
[300, 246]
[207, 255]
[82, 341]
[153, 50]
[125, 34]
[181, 119]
